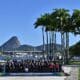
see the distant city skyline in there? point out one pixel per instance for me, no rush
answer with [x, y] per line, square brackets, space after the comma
[18, 16]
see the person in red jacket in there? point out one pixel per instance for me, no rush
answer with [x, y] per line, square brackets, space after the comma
[52, 67]
[57, 67]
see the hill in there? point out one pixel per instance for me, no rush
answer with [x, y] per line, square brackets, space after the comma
[11, 44]
[14, 44]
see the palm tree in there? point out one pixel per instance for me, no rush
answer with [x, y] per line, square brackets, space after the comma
[67, 30]
[39, 22]
[61, 16]
[58, 21]
[76, 21]
[52, 34]
[43, 21]
[75, 25]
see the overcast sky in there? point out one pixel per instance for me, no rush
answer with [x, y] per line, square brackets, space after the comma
[18, 16]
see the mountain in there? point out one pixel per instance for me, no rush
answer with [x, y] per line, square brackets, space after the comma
[11, 44]
[58, 47]
[25, 48]
[14, 44]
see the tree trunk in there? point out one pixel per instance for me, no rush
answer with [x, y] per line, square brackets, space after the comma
[55, 42]
[67, 47]
[51, 44]
[43, 41]
[47, 43]
[63, 45]
[49, 48]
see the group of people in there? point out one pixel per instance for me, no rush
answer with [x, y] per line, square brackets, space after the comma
[33, 66]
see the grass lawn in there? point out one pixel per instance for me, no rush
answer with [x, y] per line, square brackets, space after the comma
[62, 74]
[79, 75]
[74, 62]
[2, 74]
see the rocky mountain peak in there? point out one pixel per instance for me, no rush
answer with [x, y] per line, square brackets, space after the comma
[11, 44]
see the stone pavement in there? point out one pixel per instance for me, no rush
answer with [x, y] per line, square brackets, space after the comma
[74, 74]
[33, 78]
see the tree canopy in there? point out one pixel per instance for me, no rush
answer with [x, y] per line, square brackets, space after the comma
[75, 49]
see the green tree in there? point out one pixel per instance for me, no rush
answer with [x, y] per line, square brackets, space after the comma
[76, 21]
[75, 50]
[43, 21]
[60, 20]
[61, 17]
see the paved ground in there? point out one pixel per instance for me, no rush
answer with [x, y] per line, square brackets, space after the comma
[33, 78]
[74, 74]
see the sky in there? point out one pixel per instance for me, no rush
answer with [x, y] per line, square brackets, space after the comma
[17, 18]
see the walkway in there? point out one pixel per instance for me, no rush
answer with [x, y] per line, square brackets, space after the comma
[32, 78]
[74, 74]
